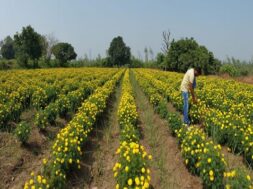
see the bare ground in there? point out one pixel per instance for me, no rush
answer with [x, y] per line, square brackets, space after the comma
[17, 160]
[167, 169]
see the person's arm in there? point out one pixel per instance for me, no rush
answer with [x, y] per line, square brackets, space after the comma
[191, 89]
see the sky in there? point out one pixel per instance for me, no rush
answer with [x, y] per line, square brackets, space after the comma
[225, 27]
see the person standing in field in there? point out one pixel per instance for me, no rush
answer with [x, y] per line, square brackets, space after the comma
[188, 85]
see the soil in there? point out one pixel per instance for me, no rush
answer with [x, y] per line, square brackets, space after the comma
[18, 160]
[168, 169]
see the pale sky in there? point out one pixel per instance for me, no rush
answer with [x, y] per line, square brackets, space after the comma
[225, 27]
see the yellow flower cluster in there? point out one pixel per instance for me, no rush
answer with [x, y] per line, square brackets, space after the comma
[71, 99]
[67, 148]
[202, 157]
[36, 182]
[132, 169]
[20, 89]
[225, 107]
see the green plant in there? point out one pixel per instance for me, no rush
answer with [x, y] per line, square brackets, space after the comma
[23, 131]
[229, 69]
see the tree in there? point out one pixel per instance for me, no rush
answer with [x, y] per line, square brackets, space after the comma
[63, 52]
[51, 40]
[160, 60]
[146, 54]
[151, 53]
[28, 45]
[186, 53]
[166, 41]
[7, 48]
[119, 54]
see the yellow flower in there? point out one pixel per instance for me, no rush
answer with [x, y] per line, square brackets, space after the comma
[137, 181]
[211, 173]
[70, 160]
[209, 160]
[143, 170]
[146, 184]
[44, 181]
[130, 182]
[248, 177]
[39, 178]
[31, 181]
[44, 161]
[227, 186]
[126, 168]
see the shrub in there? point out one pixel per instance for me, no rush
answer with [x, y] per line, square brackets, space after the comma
[229, 69]
[23, 131]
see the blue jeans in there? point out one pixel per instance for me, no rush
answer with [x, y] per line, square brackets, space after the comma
[185, 96]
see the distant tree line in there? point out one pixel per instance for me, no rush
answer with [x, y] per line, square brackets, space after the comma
[32, 50]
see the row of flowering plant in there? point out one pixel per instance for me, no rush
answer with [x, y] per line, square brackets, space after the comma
[201, 155]
[228, 121]
[131, 170]
[67, 149]
[69, 102]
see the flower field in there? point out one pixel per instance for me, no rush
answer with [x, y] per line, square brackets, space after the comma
[33, 102]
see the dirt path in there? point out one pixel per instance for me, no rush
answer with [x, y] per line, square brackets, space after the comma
[105, 157]
[168, 169]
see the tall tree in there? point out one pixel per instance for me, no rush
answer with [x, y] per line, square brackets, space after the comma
[119, 53]
[7, 48]
[186, 53]
[146, 54]
[151, 53]
[28, 45]
[63, 52]
[166, 41]
[51, 40]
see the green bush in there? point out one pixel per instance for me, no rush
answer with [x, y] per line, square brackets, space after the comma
[23, 131]
[229, 69]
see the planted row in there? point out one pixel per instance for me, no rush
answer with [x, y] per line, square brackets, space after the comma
[202, 156]
[226, 127]
[67, 148]
[131, 170]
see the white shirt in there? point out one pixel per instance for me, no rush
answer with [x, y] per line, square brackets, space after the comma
[188, 78]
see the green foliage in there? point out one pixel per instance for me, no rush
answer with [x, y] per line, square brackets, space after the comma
[186, 53]
[7, 48]
[229, 69]
[161, 108]
[235, 67]
[160, 60]
[237, 178]
[174, 122]
[23, 131]
[28, 46]
[136, 63]
[7, 64]
[63, 52]
[119, 53]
